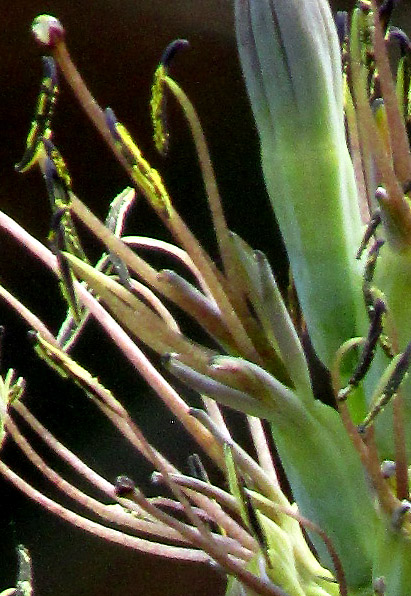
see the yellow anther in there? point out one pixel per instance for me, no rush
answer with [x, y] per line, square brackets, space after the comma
[157, 105]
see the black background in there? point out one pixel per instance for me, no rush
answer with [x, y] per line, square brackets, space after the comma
[116, 45]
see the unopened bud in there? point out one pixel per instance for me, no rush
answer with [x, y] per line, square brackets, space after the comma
[47, 30]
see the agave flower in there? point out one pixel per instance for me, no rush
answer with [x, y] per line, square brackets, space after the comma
[348, 531]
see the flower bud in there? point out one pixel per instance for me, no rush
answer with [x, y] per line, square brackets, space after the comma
[291, 61]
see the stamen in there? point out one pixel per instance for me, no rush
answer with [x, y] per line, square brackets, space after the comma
[142, 173]
[397, 375]
[385, 12]
[124, 487]
[57, 241]
[399, 515]
[40, 126]
[197, 468]
[341, 23]
[115, 221]
[255, 526]
[133, 542]
[364, 112]
[233, 288]
[370, 344]
[171, 50]
[261, 481]
[388, 468]
[158, 96]
[397, 131]
[222, 497]
[379, 586]
[402, 38]
[369, 232]
[219, 547]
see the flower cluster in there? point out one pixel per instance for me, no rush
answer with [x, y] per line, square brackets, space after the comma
[337, 166]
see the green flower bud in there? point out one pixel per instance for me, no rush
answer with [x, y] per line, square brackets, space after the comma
[291, 61]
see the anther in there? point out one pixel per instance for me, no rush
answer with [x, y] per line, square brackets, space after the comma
[171, 50]
[379, 586]
[398, 35]
[398, 515]
[124, 486]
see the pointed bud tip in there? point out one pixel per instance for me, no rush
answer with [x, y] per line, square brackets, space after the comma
[47, 30]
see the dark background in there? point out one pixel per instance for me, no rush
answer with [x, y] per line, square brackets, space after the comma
[116, 45]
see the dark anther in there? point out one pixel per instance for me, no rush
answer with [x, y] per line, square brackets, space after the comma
[171, 50]
[41, 123]
[196, 412]
[375, 249]
[55, 222]
[379, 586]
[55, 184]
[50, 70]
[124, 486]
[50, 174]
[385, 12]
[391, 388]
[399, 372]
[32, 336]
[111, 122]
[402, 38]
[397, 517]
[364, 6]
[57, 179]
[196, 467]
[388, 468]
[255, 525]
[370, 344]
[49, 147]
[218, 568]
[56, 235]
[341, 23]
[370, 231]
[372, 259]
[407, 187]
[156, 477]
[165, 359]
